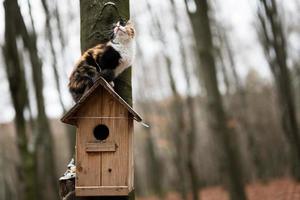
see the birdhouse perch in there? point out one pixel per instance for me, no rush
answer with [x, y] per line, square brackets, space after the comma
[104, 142]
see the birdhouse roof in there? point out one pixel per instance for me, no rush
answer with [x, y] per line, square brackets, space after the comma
[100, 82]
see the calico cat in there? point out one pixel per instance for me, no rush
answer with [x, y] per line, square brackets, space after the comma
[108, 60]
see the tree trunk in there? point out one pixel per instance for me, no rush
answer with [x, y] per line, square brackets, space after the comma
[18, 88]
[179, 135]
[153, 165]
[49, 35]
[191, 132]
[97, 18]
[178, 130]
[224, 131]
[44, 142]
[69, 129]
[153, 162]
[257, 167]
[274, 43]
[225, 50]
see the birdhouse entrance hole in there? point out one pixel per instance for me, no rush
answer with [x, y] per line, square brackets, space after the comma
[101, 132]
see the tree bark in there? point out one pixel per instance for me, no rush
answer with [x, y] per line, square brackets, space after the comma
[97, 19]
[223, 131]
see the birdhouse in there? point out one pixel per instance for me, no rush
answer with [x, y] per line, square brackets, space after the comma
[104, 142]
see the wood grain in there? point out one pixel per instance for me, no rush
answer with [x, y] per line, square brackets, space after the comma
[102, 191]
[114, 169]
[131, 156]
[107, 164]
[89, 164]
[100, 147]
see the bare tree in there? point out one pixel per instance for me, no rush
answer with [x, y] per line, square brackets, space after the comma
[273, 40]
[49, 34]
[153, 163]
[44, 141]
[191, 127]
[223, 130]
[18, 88]
[225, 51]
[178, 129]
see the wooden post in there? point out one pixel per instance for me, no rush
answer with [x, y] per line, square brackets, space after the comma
[97, 18]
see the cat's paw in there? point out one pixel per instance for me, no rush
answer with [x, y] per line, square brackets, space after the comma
[95, 78]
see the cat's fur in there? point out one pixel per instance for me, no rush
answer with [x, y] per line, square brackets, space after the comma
[108, 60]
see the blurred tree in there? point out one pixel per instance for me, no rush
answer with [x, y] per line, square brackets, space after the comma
[273, 40]
[242, 113]
[224, 70]
[43, 143]
[264, 123]
[191, 122]
[57, 76]
[153, 163]
[179, 134]
[61, 36]
[53, 52]
[220, 125]
[18, 88]
[178, 128]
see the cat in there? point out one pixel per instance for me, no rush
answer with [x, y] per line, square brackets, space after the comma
[107, 60]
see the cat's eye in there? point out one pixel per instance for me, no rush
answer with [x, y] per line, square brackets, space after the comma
[122, 22]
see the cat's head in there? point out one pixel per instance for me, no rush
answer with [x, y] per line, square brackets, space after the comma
[123, 31]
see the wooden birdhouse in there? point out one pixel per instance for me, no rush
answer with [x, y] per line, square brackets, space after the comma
[104, 142]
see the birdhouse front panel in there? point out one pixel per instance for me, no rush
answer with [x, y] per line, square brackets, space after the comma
[103, 147]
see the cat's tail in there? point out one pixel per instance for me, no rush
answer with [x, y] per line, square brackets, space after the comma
[79, 87]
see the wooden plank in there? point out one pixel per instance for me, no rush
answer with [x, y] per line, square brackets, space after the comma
[102, 191]
[108, 109]
[131, 155]
[100, 147]
[88, 171]
[115, 165]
